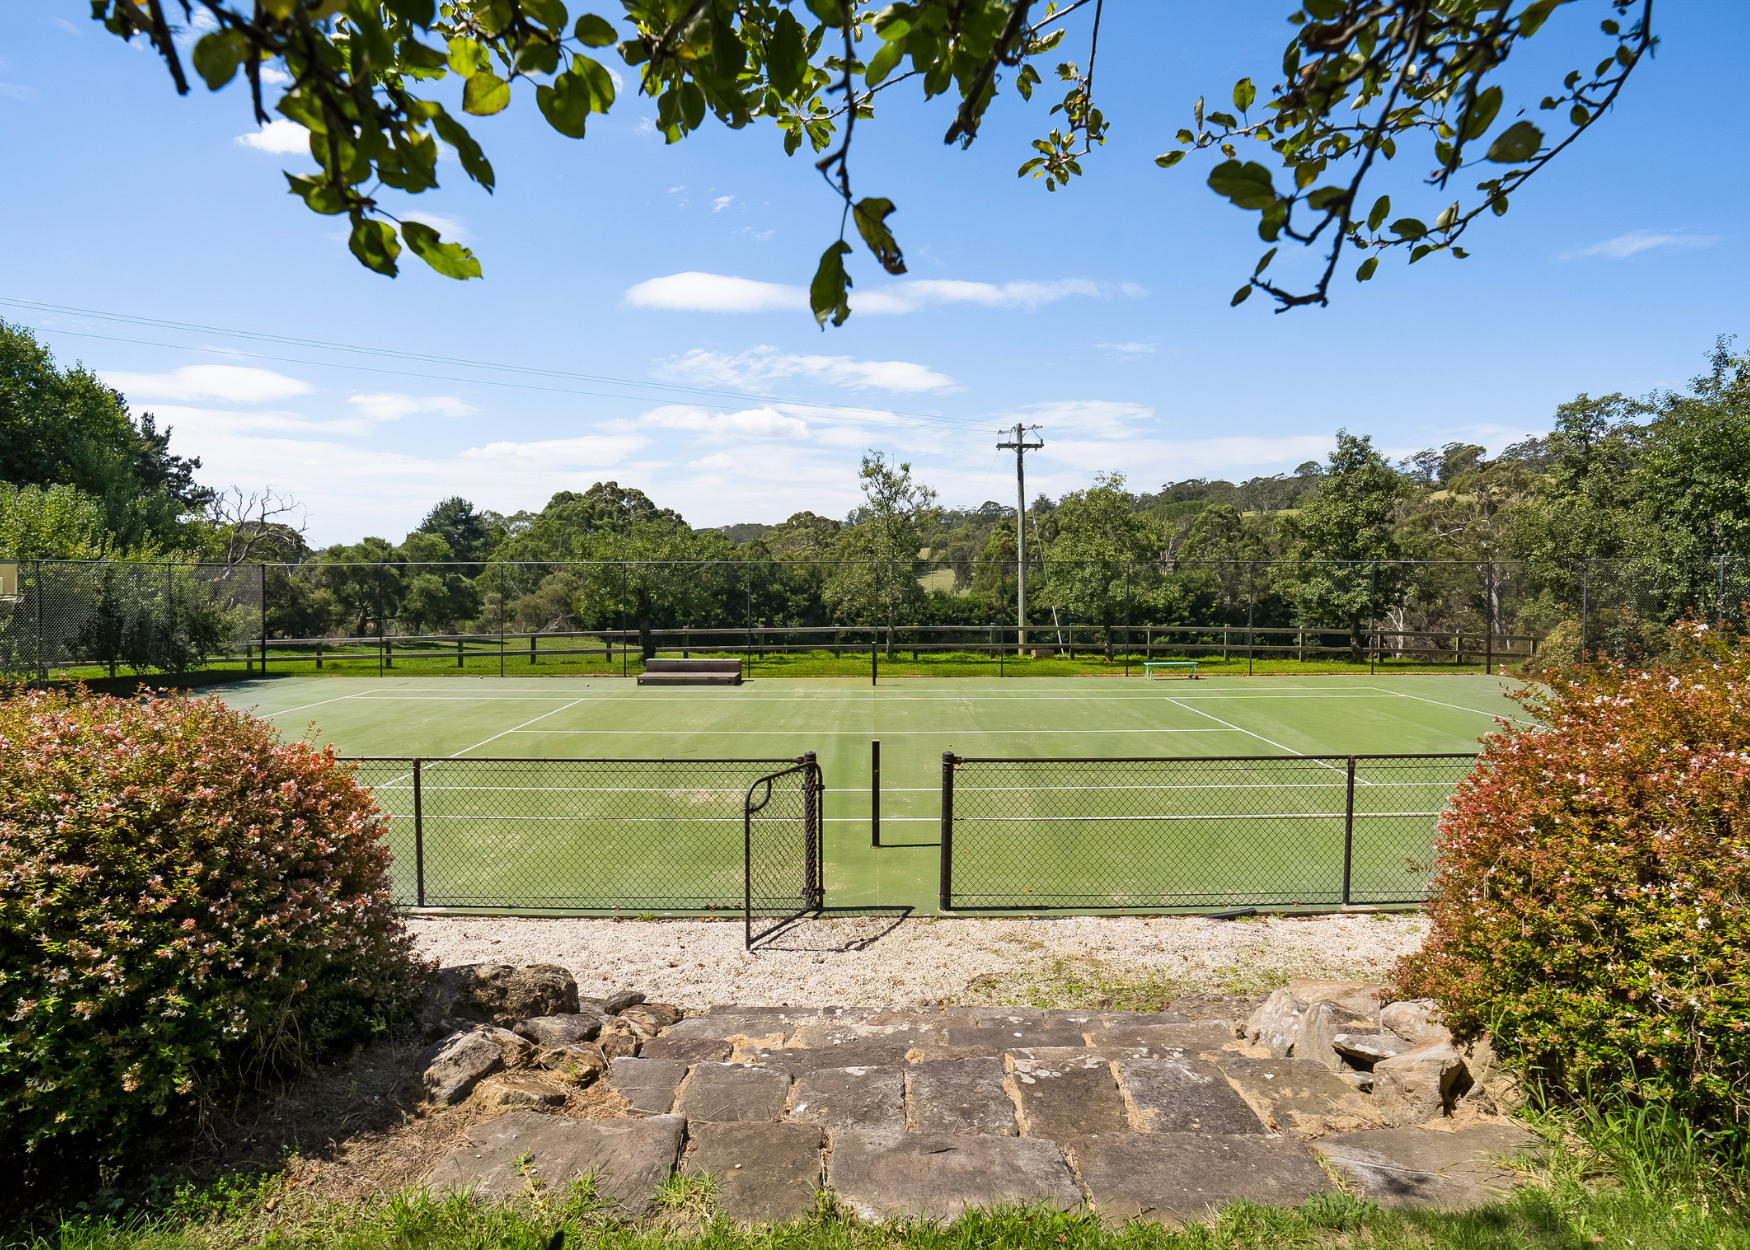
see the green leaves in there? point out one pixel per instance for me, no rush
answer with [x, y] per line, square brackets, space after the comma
[1244, 94]
[828, 294]
[474, 162]
[829, 12]
[1248, 185]
[1169, 159]
[450, 259]
[374, 243]
[1482, 113]
[881, 64]
[787, 56]
[1264, 262]
[317, 194]
[1367, 267]
[1241, 295]
[1408, 228]
[1519, 142]
[1380, 211]
[217, 56]
[583, 89]
[486, 93]
[871, 216]
[593, 32]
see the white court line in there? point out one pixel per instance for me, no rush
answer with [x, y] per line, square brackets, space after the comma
[886, 820]
[525, 724]
[1259, 737]
[338, 699]
[1461, 708]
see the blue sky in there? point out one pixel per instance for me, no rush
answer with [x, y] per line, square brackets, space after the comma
[648, 295]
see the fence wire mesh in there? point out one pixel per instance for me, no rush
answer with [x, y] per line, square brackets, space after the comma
[1126, 833]
[600, 835]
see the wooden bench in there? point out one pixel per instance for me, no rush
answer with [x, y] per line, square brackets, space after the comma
[1149, 666]
[721, 672]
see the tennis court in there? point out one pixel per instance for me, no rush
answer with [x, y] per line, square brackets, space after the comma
[916, 721]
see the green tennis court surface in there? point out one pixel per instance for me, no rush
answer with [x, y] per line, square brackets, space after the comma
[916, 720]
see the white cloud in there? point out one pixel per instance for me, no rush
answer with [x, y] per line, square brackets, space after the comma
[721, 462]
[590, 452]
[722, 202]
[762, 423]
[759, 366]
[715, 292]
[1625, 245]
[1128, 351]
[18, 91]
[232, 383]
[282, 135]
[273, 76]
[201, 425]
[392, 406]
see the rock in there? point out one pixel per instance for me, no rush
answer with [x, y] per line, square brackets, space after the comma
[1412, 1167]
[614, 1004]
[1232, 1009]
[1315, 1036]
[1369, 1047]
[726, 1093]
[1001, 1037]
[653, 1016]
[937, 1176]
[959, 1096]
[1066, 1093]
[864, 1053]
[769, 1030]
[578, 1064]
[1494, 1086]
[628, 1158]
[550, 1031]
[686, 1049]
[1357, 998]
[1416, 1020]
[1296, 1096]
[1277, 1022]
[511, 1090]
[1183, 1096]
[452, 1067]
[868, 1099]
[518, 1052]
[503, 994]
[1164, 1039]
[1420, 1084]
[1185, 1177]
[647, 1084]
[766, 1173]
[617, 1039]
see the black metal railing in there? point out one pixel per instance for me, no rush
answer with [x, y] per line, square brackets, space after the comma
[593, 836]
[1191, 832]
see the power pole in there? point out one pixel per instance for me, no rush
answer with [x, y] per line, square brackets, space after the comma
[1022, 447]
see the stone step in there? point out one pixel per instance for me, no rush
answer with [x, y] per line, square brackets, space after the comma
[1184, 1177]
[936, 1176]
[499, 1158]
[766, 1173]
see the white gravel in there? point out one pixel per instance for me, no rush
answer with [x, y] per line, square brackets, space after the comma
[868, 962]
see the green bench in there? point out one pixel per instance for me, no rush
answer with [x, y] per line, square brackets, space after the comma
[1149, 666]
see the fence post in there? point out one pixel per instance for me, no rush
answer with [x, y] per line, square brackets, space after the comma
[418, 837]
[1489, 619]
[501, 620]
[874, 792]
[42, 668]
[945, 893]
[1585, 579]
[1127, 618]
[813, 798]
[1251, 608]
[261, 585]
[1349, 831]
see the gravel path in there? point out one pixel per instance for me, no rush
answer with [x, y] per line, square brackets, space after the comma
[868, 962]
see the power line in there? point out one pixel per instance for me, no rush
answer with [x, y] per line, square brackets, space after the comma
[828, 411]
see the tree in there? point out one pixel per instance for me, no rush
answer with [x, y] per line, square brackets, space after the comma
[464, 530]
[50, 523]
[1347, 539]
[1099, 533]
[1359, 79]
[880, 549]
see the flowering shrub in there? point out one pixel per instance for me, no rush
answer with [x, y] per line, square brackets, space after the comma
[1590, 902]
[186, 903]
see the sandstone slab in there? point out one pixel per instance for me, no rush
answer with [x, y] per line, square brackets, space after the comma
[686, 1049]
[628, 1158]
[455, 1065]
[868, 1099]
[1415, 1020]
[550, 1031]
[1183, 1177]
[1356, 998]
[766, 1173]
[1414, 1167]
[771, 1030]
[648, 1084]
[579, 1064]
[1277, 1021]
[1297, 1096]
[511, 1090]
[1421, 1083]
[1017, 1033]
[959, 1096]
[504, 994]
[1369, 1047]
[652, 1016]
[937, 1176]
[1316, 1033]
[1068, 1093]
[1234, 1009]
[1183, 1096]
[1165, 1039]
[727, 1093]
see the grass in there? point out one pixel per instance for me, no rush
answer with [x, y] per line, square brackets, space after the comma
[1606, 1180]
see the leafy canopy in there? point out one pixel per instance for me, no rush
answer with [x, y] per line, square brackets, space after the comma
[1359, 79]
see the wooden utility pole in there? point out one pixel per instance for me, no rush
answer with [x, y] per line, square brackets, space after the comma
[1022, 447]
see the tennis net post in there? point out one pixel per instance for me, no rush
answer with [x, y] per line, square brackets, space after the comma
[945, 891]
[874, 792]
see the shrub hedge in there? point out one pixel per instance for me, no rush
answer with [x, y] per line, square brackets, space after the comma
[1589, 906]
[187, 903]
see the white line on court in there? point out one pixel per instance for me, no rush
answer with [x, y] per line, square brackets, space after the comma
[887, 733]
[519, 728]
[1461, 708]
[1259, 737]
[301, 707]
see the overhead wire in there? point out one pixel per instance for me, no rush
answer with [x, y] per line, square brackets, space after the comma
[826, 410]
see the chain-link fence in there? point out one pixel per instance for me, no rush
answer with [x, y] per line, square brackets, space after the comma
[804, 617]
[731, 836]
[1152, 832]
